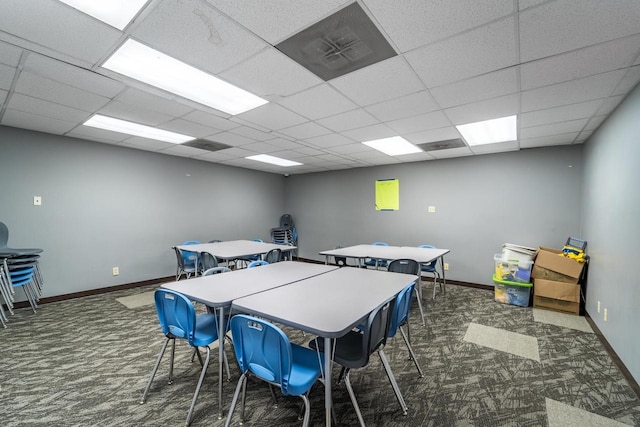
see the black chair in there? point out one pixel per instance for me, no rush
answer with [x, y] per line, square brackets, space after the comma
[408, 266]
[206, 261]
[352, 351]
[273, 256]
[182, 268]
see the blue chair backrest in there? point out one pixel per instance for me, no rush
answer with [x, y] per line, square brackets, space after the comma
[257, 263]
[380, 244]
[176, 314]
[262, 348]
[257, 240]
[190, 258]
[401, 309]
[216, 270]
[433, 263]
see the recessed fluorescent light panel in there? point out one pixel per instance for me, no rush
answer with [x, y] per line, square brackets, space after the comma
[130, 128]
[142, 63]
[117, 13]
[394, 146]
[265, 158]
[490, 131]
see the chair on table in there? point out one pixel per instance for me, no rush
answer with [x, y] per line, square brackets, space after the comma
[400, 317]
[258, 263]
[264, 351]
[352, 351]
[408, 266]
[206, 261]
[178, 320]
[373, 262]
[273, 256]
[182, 267]
[432, 268]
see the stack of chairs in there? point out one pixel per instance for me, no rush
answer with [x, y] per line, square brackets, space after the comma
[19, 268]
[286, 234]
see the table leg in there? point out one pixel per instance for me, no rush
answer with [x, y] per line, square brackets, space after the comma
[328, 352]
[444, 280]
[221, 333]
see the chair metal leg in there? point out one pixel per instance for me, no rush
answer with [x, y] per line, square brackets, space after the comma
[234, 401]
[307, 410]
[420, 307]
[273, 396]
[392, 380]
[352, 395]
[413, 356]
[173, 353]
[155, 369]
[200, 381]
[244, 401]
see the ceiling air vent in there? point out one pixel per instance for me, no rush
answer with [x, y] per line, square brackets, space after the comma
[339, 44]
[442, 145]
[203, 144]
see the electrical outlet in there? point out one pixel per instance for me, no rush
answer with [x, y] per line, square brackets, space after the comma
[37, 201]
[598, 306]
[116, 271]
[446, 266]
[431, 209]
[605, 314]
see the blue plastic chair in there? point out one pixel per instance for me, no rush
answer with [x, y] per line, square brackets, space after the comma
[178, 320]
[373, 262]
[400, 317]
[258, 263]
[264, 351]
[432, 268]
[191, 259]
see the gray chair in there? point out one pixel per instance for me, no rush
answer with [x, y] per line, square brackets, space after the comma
[408, 266]
[273, 256]
[182, 268]
[206, 261]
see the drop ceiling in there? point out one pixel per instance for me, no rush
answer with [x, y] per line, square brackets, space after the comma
[561, 66]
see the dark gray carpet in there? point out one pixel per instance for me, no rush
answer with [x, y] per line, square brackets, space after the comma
[85, 362]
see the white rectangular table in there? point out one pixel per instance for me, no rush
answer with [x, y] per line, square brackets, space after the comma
[328, 305]
[219, 290]
[235, 249]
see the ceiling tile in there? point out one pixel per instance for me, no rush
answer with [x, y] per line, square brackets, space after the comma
[3, 96]
[379, 82]
[308, 151]
[181, 150]
[272, 116]
[415, 23]
[368, 133]
[252, 133]
[585, 134]
[610, 104]
[195, 33]
[50, 90]
[209, 119]
[34, 122]
[305, 130]
[405, 106]
[331, 140]
[544, 141]
[284, 143]
[230, 139]
[148, 144]
[579, 63]
[39, 107]
[495, 148]
[452, 152]
[476, 89]
[72, 75]
[584, 89]
[54, 25]
[525, 4]
[186, 127]
[480, 51]
[557, 27]
[146, 101]
[261, 17]
[485, 110]
[559, 114]
[433, 135]
[629, 81]
[349, 120]
[427, 121]
[133, 113]
[553, 129]
[9, 54]
[262, 147]
[595, 122]
[6, 76]
[350, 148]
[415, 157]
[318, 102]
[95, 134]
[215, 156]
[271, 74]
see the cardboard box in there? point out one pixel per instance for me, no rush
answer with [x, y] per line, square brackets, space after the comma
[549, 265]
[558, 296]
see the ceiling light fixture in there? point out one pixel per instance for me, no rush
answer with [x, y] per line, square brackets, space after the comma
[130, 128]
[394, 146]
[490, 131]
[117, 13]
[265, 158]
[140, 62]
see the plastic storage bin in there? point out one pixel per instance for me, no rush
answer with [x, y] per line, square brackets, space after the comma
[513, 293]
[511, 270]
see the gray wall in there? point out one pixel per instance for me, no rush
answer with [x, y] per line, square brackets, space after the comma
[106, 206]
[530, 197]
[611, 218]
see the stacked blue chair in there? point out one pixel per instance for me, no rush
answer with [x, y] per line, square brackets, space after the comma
[265, 352]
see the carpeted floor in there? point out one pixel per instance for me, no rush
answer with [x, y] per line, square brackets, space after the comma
[85, 362]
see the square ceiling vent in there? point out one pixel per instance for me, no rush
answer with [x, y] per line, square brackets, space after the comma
[339, 44]
[203, 144]
[442, 145]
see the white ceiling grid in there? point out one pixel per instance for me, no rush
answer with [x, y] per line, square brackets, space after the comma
[561, 65]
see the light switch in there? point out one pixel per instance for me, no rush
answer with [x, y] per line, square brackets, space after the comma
[431, 209]
[37, 200]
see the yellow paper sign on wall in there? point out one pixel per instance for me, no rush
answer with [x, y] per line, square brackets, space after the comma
[387, 195]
